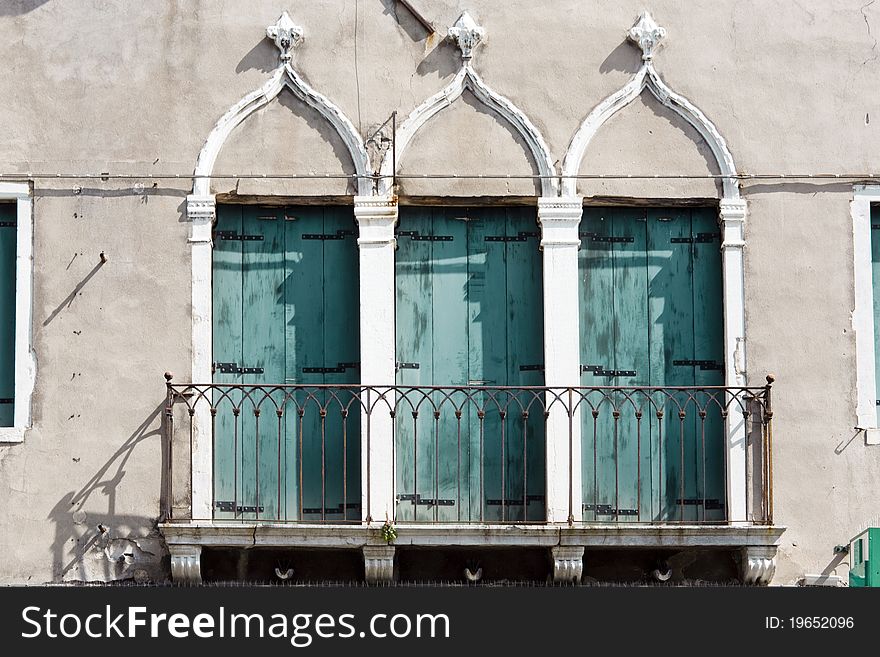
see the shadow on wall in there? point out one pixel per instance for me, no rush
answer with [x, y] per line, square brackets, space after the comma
[623, 58]
[18, 7]
[108, 546]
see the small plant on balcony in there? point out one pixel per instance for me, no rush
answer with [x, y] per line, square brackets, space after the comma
[389, 532]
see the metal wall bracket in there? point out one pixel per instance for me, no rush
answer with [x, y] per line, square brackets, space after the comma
[405, 366]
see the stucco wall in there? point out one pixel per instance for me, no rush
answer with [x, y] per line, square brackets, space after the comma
[112, 85]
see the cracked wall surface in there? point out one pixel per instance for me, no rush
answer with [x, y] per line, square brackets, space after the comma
[109, 85]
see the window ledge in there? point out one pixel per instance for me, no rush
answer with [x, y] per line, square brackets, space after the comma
[12, 434]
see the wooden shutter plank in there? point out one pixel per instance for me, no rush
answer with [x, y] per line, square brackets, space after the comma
[263, 347]
[708, 346]
[227, 348]
[341, 337]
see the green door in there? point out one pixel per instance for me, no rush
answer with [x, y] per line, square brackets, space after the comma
[469, 313]
[651, 315]
[7, 312]
[286, 312]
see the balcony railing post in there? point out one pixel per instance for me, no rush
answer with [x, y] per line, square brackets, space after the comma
[376, 218]
[559, 219]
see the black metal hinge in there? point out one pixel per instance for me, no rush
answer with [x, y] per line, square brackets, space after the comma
[233, 368]
[608, 510]
[710, 504]
[231, 507]
[231, 235]
[521, 236]
[700, 238]
[416, 236]
[8, 224]
[405, 366]
[340, 234]
[12, 401]
[608, 239]
[531, 368]
[424, 501]
[331, 509]
[599, 370]
[339, 369]
[873, 226]
[702, 364]
[516, 501]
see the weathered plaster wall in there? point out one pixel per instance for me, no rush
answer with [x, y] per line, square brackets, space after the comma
[107, 85]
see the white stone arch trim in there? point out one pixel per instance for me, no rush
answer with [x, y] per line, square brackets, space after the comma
[647, 77]
[285, 76]
[468, 79]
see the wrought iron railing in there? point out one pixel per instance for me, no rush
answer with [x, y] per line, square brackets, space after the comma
[473, 454]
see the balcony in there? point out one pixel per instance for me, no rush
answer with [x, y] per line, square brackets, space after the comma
[561, 468]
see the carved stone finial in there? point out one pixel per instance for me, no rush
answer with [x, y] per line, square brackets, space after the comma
[466, 34]
[285, 34]
[647, 34]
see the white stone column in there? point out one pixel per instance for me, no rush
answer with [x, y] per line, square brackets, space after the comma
[559, 219]
[733, 218]
[200, 209]
[376, 217]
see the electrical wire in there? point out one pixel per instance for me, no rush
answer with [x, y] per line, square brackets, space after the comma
[106, 176]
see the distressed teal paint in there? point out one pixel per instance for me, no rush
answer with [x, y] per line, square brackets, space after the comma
[875, 283]
[469, 313]
[647, 301]
[7, 313]
[284, 304]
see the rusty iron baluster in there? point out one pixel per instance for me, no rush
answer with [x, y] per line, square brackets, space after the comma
[257, 457]
[768, 440]
[503, 416]
[638, 413]
[525, 457]
[458, 469]
[702, 414]
[681, 482]
[595, 413]
[436, 472]
[662, 502]
[279, 411]
[481, 414]
[344, 412]
[300, 412]
[169, 438]
[415, 499]
[323, 414]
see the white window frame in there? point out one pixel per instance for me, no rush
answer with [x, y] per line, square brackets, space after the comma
[863, 311]
[25, 369]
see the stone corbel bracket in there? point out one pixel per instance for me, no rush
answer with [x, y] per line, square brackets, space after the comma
[286, 36]
[467, 35]
[648, 36]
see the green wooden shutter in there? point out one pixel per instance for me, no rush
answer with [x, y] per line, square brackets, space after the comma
[286, 311]
[875, 283]
[650, 296]
[469, 312]
[8, 233]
